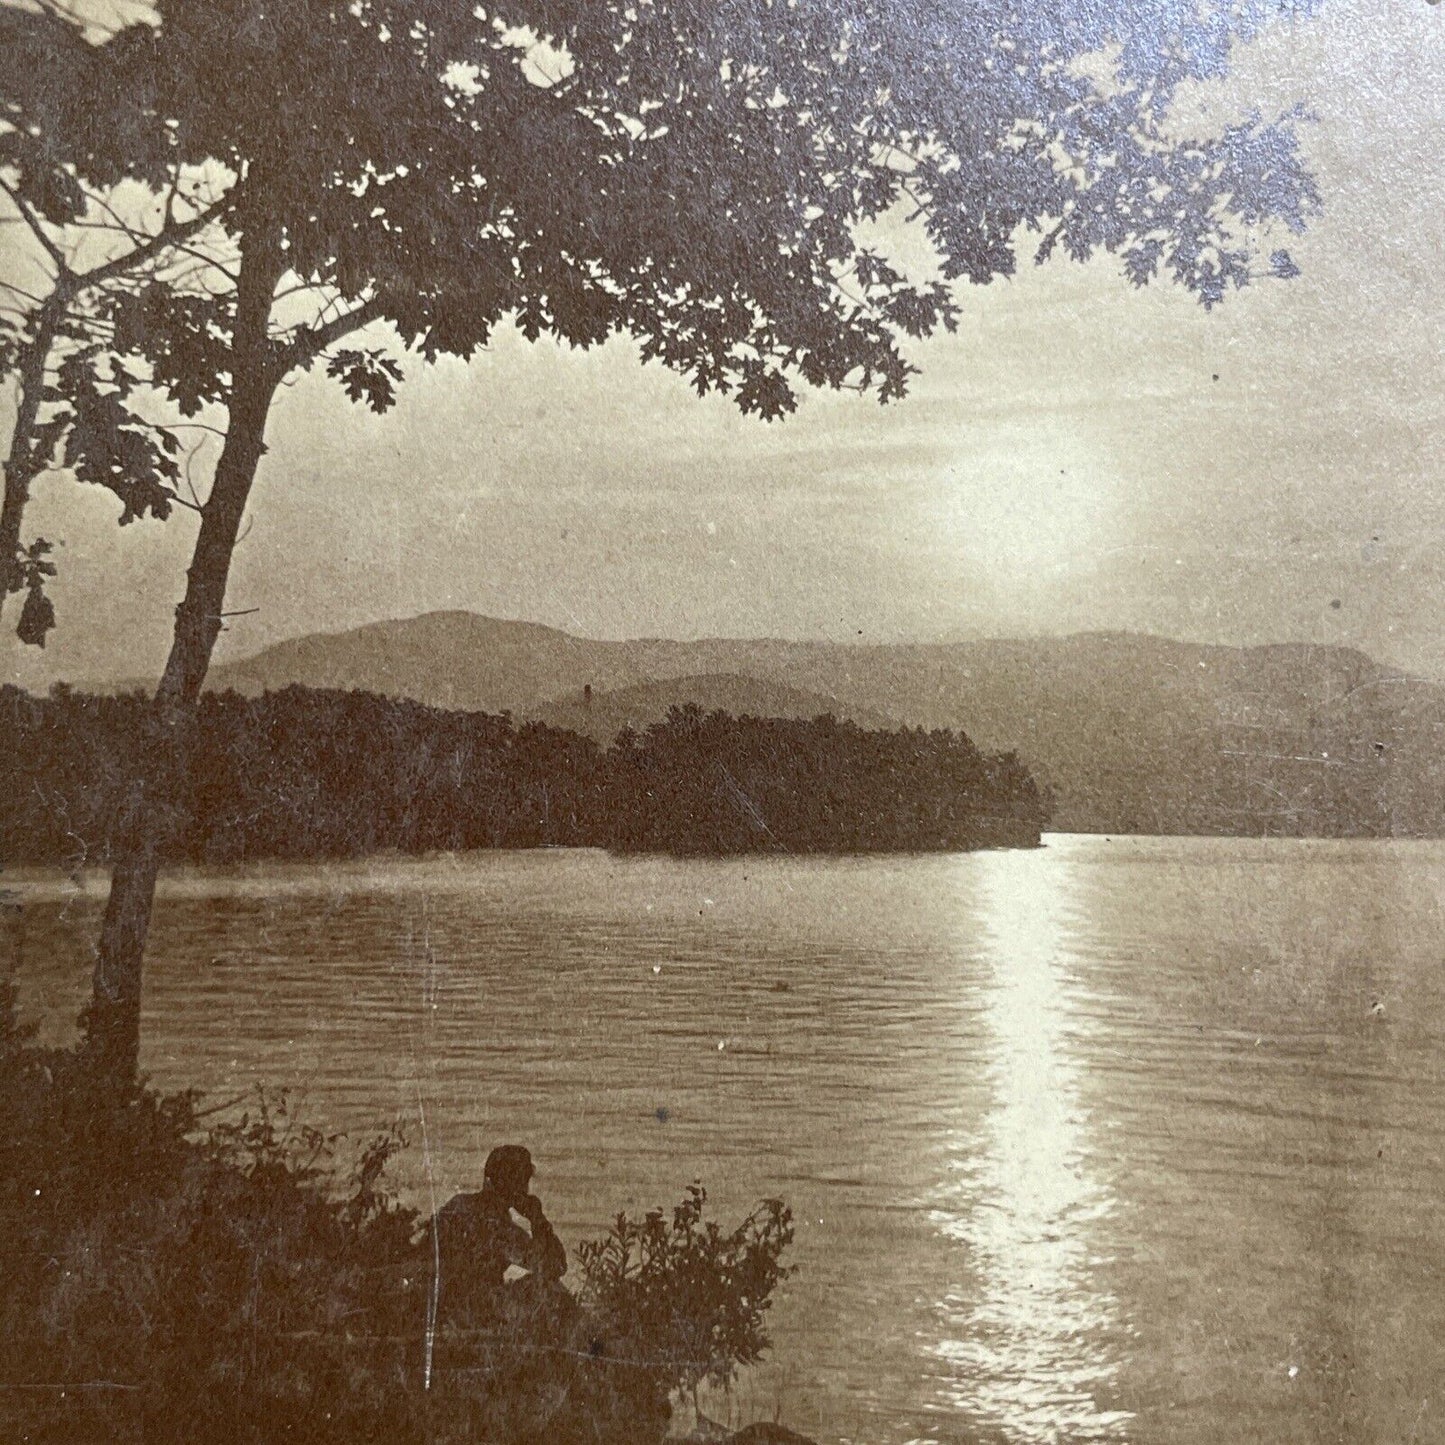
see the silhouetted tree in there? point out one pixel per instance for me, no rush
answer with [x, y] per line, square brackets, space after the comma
[692, 174]
[77, 127]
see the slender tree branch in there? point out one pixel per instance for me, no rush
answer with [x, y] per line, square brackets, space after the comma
[207, 262]
[196, 278]
[22, 464]
[310, 343]
[191, 455]
[34, 223]
[152, 246]
[168, 215]
[29, 296]
[134, 233]
[330, 307]
[180, 501]
[297, 289]
[108, 226]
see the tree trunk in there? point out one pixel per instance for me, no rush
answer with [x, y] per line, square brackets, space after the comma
[22, 465]
[156, 811]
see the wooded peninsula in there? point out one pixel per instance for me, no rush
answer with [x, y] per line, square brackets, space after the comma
[308, 773]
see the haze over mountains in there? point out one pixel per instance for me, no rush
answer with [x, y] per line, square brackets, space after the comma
[1134, 733]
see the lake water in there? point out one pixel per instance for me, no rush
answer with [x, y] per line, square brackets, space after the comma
[1119, 1140]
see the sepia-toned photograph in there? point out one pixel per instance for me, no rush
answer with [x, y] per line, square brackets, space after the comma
[722, 722]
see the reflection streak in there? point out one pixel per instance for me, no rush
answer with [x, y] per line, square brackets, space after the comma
[1031, 1345]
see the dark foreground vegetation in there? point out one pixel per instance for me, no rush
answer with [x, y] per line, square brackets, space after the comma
[170, 1279]
[305, 773]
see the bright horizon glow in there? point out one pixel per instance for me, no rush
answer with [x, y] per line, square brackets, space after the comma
[1029, 504]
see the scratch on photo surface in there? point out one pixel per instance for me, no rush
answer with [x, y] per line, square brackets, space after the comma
[428, 989]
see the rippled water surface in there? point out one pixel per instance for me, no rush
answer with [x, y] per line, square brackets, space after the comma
[1130, 1140]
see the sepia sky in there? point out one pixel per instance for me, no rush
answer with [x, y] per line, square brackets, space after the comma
[1080, 455]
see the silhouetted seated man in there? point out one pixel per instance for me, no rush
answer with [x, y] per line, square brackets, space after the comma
[516, 1332]
[478, 1237]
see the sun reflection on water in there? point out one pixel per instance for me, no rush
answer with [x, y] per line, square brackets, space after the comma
[1030, 1343]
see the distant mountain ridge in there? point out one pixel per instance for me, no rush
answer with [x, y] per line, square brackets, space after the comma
[1134, 733]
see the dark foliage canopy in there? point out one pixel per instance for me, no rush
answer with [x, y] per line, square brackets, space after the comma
[693, 174]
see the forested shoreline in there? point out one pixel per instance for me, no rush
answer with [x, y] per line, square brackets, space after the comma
[310, 773]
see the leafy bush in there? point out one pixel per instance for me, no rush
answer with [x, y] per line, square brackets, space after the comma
[682, 1302]
[171, 1284]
